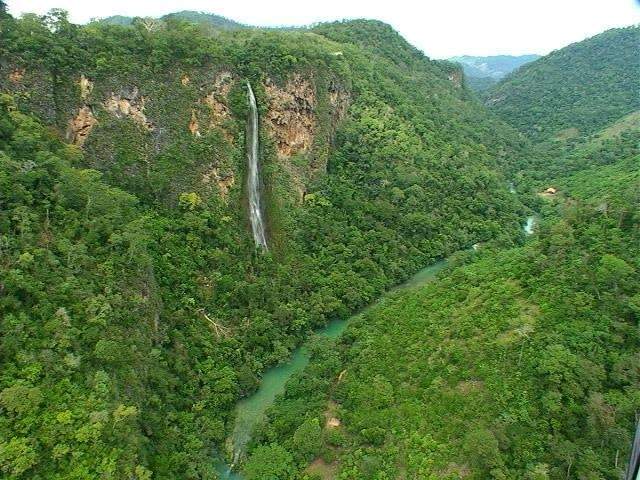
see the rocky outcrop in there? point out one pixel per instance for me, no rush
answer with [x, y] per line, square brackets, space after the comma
[86, 87]
[291, 115]
[80, 126]
[16, 75]
[216, 100]
[455, 77]
[224, 180]
[296, 118]
[339, 102]
[194, 127]
[129, 104]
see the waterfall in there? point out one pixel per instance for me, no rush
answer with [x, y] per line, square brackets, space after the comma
[253, 176]
[528, 227]
[236, 459]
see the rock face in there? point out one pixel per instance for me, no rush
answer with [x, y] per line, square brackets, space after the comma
[455, 77]
[333, 422]
[339, 102]
[129, 104]
[216, 100]
[300, 122]
[16, 75]
[86, 87]
[80, 126]
[224, 180]
[194, 127]
[291, 115]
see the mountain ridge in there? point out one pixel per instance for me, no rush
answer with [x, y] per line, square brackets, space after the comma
[566, 89]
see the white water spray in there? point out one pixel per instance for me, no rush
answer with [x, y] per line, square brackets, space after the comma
[253, 177]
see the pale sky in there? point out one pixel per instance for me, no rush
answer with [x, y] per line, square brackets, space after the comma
[440, 28]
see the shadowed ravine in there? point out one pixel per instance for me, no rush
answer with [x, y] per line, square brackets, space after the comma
[250, 411]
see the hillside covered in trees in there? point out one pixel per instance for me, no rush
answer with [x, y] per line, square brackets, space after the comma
[134, 309]
[203, 18]
[576, 90]
[516, 363]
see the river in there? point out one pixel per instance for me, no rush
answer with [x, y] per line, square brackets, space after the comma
[250, 411]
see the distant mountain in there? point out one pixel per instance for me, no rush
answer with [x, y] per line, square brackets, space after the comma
[216, 21]
[483, 72]
[583, 87]
[116, 20]
[496, 67]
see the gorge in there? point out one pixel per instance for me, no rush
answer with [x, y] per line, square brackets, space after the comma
[191, 215]
[250, 411]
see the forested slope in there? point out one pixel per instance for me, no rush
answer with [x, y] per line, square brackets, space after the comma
[578, 89]
[513, 364]
[600, 165]
[209, 19]
[516, 363]
[134, 308]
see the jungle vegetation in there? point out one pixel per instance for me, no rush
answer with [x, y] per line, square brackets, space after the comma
[135, 311]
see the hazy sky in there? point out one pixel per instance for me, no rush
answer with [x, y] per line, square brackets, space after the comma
[441, 28]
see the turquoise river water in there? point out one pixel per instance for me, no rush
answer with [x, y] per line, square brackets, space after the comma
[250, 411]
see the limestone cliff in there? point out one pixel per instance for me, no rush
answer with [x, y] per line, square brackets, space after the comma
[129, 103]
[291, 115]
[217, 114]
[299, 113]
[223, 179]
[301, 118]
[16, 75]
[455, 77]
[216, 99]
[80, 126]
[194, 125]
[86, 87]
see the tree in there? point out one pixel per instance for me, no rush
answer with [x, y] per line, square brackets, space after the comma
[270, 462]
[307, 439]
[613, 272]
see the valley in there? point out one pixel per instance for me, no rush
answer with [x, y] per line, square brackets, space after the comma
[313, 253]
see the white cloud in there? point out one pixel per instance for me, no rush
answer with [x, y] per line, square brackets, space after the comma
[440, 28]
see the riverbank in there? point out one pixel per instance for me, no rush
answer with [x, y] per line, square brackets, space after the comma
[250, 410]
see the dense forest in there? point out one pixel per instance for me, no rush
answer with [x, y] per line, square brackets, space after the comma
[135, 310]
[517, 363]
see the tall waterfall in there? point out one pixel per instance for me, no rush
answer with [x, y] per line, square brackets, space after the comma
[253, 177]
